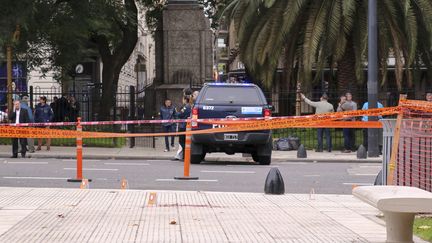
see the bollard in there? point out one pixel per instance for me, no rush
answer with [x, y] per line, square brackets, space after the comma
[361, 152]
[79, 143]
[301, 152]
[274, 183]
[187, 156]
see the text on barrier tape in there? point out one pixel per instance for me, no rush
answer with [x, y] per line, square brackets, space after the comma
[321, 120]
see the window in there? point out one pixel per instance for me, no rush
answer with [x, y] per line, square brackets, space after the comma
[246, 95]
[221, 43]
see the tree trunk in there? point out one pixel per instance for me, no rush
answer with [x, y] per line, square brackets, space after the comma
[114, 57]
[110, 77]
[346, 75]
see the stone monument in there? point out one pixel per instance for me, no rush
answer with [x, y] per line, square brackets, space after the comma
[185, 56]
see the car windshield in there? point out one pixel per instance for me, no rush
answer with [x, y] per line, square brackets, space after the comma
[232, 95]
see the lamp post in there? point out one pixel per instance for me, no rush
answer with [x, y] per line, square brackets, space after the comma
[372, 85]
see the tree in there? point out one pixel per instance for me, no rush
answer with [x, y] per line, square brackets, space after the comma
[108, 29]
[62, 33]
[315, 33]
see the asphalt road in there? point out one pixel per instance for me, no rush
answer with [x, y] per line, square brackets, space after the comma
[299, 177]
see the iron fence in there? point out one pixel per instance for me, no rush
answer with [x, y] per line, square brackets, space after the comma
[308, 137]
[129, 105]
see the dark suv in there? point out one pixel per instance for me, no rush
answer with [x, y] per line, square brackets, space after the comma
[223, 100]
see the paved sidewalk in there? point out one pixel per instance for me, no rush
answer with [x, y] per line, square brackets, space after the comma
[158, 154]
[75, 215]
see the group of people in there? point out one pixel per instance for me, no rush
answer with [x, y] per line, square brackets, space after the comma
[65, 108]
[346, 103]
[22, 113]
[61, 109]
[169, 112]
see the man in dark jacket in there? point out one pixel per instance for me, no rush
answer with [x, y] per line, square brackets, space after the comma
[63, 108]
[184, 113]
[19, 116]
[167, 112]
[43, 114]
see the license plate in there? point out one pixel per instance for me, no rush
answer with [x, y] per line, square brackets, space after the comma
[230, 137]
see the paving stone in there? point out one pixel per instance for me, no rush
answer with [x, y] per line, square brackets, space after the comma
[75, 215]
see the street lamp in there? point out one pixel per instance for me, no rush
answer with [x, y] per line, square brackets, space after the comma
[372, 85]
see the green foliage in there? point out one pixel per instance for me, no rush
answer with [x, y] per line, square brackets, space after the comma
[63, 32]
[313, 32]
[423, 228]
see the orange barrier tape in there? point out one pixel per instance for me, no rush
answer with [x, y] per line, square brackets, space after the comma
[344, 124]
[320, 120]
[26, 132]
[424, 106]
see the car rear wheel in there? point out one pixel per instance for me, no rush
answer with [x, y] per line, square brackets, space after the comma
[262, 160]
[263, 154]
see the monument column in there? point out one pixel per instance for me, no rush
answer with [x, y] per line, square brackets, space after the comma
[187, 49]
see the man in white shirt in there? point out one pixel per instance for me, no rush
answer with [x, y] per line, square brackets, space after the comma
[19, 116]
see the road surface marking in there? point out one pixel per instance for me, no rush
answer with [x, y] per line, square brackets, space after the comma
[311, 175]
[187, 180]
[366, 174]
[87, 160]
[358, 183]
[253, 166]
[143, 164]
[27, 162]
[92, 169]
[35, 178]
[228, 171]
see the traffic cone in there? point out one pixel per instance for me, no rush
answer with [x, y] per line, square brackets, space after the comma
[152, 199]
[84, 184]
[124, 184]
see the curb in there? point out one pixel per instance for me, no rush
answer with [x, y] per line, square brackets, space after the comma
[125, 157]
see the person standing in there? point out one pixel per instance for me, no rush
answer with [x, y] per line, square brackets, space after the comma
[25, 105]
[429, 96]
[63, 108]
[195, 96]
[43, 113]
[53, 106]
[167, 112]
[184, 113]
[74, 109]
[321, 107]
[18, 116]
[3, 117]
[347, 104]
[365, 119]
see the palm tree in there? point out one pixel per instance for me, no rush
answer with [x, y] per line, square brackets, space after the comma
[315, 33]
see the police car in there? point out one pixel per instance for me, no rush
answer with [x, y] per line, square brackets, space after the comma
[226, 100]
